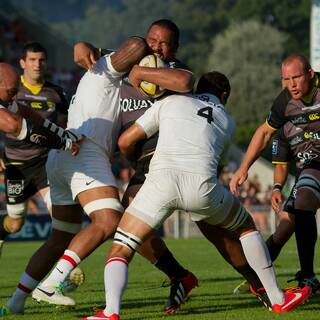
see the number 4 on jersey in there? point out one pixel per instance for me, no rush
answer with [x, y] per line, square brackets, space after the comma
[206, 113]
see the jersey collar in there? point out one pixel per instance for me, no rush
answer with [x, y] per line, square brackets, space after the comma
[308, 98]
[34, 88]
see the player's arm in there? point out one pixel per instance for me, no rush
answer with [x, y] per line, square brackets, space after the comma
[145, 126]
[10, 122]
[258, 143]
[85, 54]
[178, 80]
[129, 139]
[279, 179]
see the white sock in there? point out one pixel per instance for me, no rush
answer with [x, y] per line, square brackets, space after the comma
[115, 282]
[259, 260]
[17, 301]
[65, 265]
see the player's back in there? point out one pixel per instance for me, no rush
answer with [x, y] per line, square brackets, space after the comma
[194, 131]
[95, 108]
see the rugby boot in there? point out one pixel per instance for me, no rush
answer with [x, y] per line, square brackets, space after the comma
[180, 289]
[261, 294]
[52, 295]
[292, 299]
[102, 316]
[312, 282]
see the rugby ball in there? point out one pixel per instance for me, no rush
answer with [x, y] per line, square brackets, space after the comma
[150, 89]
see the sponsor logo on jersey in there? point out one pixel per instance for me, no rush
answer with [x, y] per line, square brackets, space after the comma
[314, 116]
[299, 120]
[15, 188]
[37, 138]
[306, 157]
[274, 147]
[128, 105]
[295, 140]
[311, 136]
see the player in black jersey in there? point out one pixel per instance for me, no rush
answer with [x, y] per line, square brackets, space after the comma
[24, 161]
[163, 39]
[285, 148]
[297, 111]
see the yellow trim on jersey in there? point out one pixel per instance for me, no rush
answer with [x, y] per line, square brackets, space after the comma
[34, 88]
[14, 163]
[279, 162]
[146, 155]
[308, 98]
[270, 126]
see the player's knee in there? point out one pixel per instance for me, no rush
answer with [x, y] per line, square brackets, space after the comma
[58, 241]
[125, 239]
[14, 225]
[101, 205]
[16, 214]
[70, 228]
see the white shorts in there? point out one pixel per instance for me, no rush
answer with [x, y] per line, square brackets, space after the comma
[167, 190]
[69, 175]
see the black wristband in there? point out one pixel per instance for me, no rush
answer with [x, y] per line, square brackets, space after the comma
[277, 186]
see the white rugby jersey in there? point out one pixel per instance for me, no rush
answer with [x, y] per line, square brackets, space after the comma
[95, 108]
[194, 132]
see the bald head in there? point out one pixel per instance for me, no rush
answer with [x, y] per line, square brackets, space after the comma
[297, 76]
[8, 83]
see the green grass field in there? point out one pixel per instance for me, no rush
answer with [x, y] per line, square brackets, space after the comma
[145, 298]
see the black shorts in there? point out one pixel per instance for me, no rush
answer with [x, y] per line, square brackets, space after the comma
[24, 178]
[142, 167]
[312, 182]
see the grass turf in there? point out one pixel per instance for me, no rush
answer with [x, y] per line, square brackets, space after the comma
[145, 297]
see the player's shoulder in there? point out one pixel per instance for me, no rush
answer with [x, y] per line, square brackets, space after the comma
[177, 64]
[53, 86]
[282, 99]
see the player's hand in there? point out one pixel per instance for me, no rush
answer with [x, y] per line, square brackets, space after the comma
[276, 200]
[2, 165]
[75, 149]
[133, 76]
[85, 55]
[238, 178]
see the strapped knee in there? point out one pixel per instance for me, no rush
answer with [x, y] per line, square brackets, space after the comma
[17, 211]
[106, 203]
[127, 239]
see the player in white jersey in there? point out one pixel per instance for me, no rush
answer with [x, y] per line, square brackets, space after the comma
[194, 133]
[84, 183]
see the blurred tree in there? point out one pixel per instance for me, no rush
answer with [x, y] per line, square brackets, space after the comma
[249, 53]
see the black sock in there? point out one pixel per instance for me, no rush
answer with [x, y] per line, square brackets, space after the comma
[170, 266]
[274, 248]
[249, 274]
[3, 232]
[306, 237]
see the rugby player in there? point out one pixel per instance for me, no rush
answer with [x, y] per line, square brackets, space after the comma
[296, 108]
[24, 167]
[84, 183]
[183, 175]
[163, 39]
[283, 151]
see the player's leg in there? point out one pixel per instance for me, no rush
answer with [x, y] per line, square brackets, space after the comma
[279, 238]
[230, 248]
[305, 205]
[42, 261]
[155, 250]
[93, 186]
[230, 214]
[130, 234]
[17, 188]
